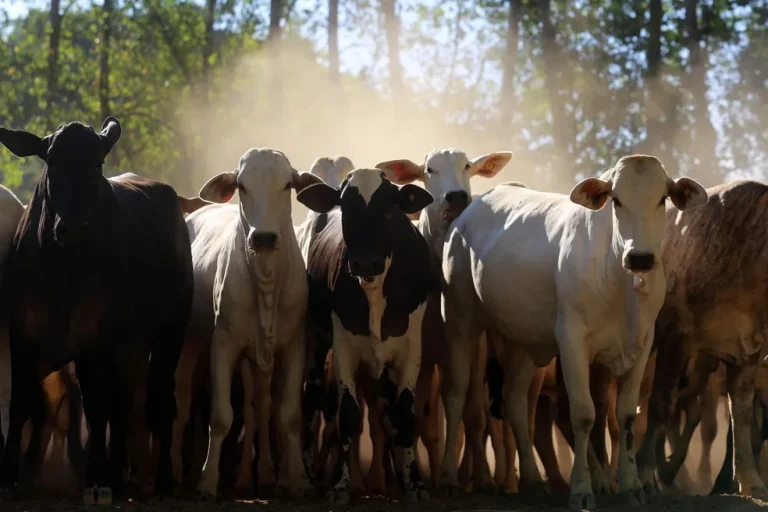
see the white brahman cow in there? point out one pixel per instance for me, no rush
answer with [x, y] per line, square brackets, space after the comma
[250, 277]
[554, 275]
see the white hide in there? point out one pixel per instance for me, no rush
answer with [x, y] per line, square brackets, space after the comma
[514, 244]
[245, 294]
[11, 211]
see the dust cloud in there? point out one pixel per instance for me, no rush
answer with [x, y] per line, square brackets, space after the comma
[300, 112]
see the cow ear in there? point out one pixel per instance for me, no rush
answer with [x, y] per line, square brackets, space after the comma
[220, 189]
[302, 180]
[23, 144]
[402, 171]
[319, 197]
[110, 133]
[591, 193]
[686, 193]
[489, 165]
[413, 199]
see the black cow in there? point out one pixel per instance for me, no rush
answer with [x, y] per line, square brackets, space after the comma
[100, 273]
[370, 274]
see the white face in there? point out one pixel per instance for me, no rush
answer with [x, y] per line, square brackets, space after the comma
[446, 177]
[264, 180]
[637, 188]
[638, 197]
[332, 170]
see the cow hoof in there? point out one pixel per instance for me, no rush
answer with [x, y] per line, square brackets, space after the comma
[338, 497]
[485, 488]
[581, 501]
[633, 497]
[301, 490]
[89, 495]
[416, 496]
[759, 492]
[205, 496]
[537, 489]
[104, 496]
[450, 489]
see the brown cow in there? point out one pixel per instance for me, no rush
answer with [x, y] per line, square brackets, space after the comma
[715, 262]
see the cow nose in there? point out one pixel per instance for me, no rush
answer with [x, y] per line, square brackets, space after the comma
[262, 241]
[67, 234]
[366, 267]
[640, 262]
[457, 199]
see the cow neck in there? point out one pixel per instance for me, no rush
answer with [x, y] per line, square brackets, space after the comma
[377, 303]
[433, 229]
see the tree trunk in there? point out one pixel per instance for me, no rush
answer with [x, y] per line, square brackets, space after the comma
[703, 146]
[392, 31]
[654, 102]
[553, 68]
[53, 64]
[333, 40]
[510, 61]
[273, 54]
[108, 10]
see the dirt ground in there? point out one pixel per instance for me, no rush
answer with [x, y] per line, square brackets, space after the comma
[374, 504]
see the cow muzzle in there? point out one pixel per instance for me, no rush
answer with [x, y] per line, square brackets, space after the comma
[453, 204]
[262, 241]
[69, 234]
[366, 268]
[639, 262]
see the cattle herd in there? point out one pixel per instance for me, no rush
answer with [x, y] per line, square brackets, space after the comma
[209, 344]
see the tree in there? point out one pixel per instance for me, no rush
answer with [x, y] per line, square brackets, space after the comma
[510, 59]
[107, 15]
[53, 63]
[392, 32]
[333, 40]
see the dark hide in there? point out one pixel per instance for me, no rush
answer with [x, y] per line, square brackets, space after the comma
[109, 289]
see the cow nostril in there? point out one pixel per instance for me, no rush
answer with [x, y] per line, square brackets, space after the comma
[641, 262]
[457, 197]
[262, 240]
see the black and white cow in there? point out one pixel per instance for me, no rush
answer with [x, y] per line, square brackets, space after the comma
[370, 274]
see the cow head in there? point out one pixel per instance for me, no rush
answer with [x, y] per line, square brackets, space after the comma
[331, 170]
[638, 187]
[264, 178]
[371, 206]
[446, 174]
[73, 156]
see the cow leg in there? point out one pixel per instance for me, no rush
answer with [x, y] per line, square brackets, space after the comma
[426, 417]
[600, 380]
[401, 415]
[462, 334]
[120, 412]
[95, 384]
[709, 401]
[74, 442]
[289, 402]
[495, 430]
[614, 432]
[312, 403]
[545, 446]
[224, 354]
[668, 470]
[741, 382]
[245, 473]
[630, 485]
[474, 420]
[670, 361]
[376, 481]
[185, 372]
[575, 371]
[346, 360]
[265, 472]
[519, 372]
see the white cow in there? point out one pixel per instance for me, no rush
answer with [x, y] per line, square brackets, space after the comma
[11, 211]
[445, 174]
[554, 275]
[250, 276]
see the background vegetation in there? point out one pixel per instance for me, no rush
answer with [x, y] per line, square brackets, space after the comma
[569, 86]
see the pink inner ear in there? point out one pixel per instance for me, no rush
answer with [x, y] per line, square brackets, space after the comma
[400, 171]
[227, 197]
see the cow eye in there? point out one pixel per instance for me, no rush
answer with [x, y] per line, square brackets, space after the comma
[663, 198]
[288, 186]
[429, 170]
[241, 189]
[616, 203]
[467, 167]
